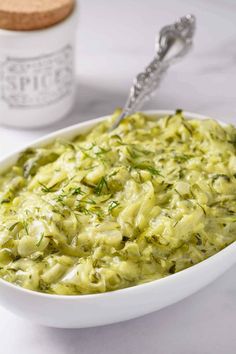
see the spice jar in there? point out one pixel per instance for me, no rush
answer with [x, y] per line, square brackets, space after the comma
[37, 49]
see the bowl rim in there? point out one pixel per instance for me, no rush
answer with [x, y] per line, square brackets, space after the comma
[90, 123]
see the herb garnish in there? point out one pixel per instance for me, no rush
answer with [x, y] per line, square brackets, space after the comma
[132, 153]
[25, 225]
[40, 240]
[11, 228]
[154, 171]
[112, 205]
[60, 198]
[182, 158]
[101, 186]
[77, 191]
[204, 211]
[187, 127]
[178, 193]
[88, 201]
[46, 189]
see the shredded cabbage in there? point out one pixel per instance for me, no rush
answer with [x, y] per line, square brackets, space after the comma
[112, 209]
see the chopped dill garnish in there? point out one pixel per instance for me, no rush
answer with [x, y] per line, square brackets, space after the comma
[40, 240]
[88, 201]
[178, 193]
[135, 152]
[90, 168]
[25, 225]
[11, 228]
[182, 158]
[113, 173]
[46, 189]
[112, 205]
[154, 171]
[187, 127]
[132, 153]
[77, 191]
[204, 211]
[176, 223]
[101, 186]
[60, 198]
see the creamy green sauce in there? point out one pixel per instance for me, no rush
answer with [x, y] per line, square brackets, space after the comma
[109, 210]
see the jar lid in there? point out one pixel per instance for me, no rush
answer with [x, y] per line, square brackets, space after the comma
[27, 15]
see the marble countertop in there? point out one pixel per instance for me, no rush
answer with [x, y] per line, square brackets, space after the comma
[115, 41]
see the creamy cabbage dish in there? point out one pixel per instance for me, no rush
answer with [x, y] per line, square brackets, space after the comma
[109, 210]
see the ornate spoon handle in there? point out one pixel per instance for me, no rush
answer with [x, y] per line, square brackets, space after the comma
[174, 42]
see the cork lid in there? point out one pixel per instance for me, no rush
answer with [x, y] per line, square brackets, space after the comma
[27, 15]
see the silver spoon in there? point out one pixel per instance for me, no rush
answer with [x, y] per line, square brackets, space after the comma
[174, 42]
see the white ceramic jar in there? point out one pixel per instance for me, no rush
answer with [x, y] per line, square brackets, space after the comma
[37, 76]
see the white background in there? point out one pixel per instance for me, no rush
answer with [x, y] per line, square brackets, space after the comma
[115, 41]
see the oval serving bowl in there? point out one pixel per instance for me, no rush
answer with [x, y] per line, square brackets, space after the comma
[81, 311]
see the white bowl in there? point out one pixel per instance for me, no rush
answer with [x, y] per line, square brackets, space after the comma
[100, 309]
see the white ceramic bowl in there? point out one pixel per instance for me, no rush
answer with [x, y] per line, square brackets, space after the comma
[100, 309]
